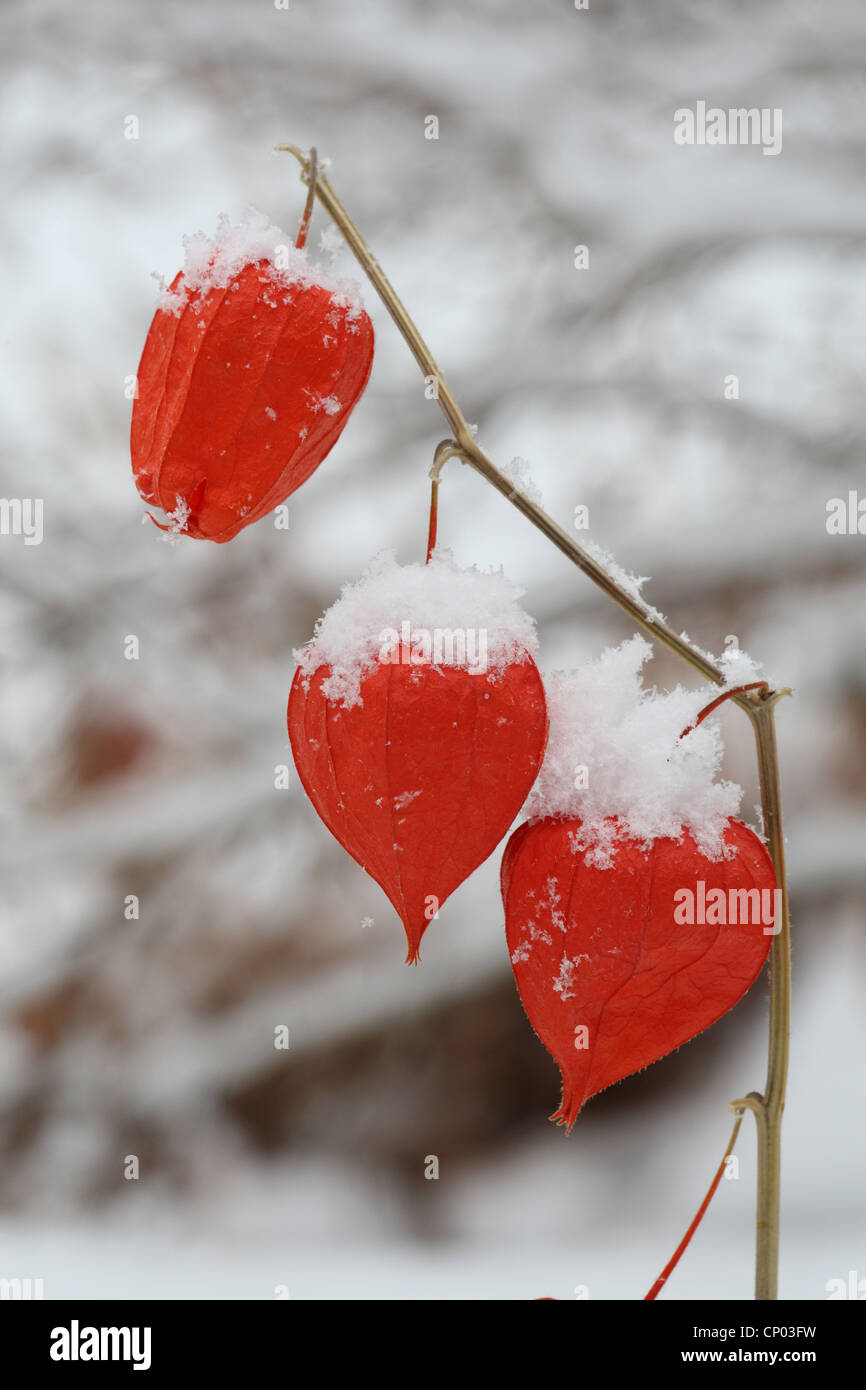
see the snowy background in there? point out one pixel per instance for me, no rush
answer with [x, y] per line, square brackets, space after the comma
[155, 777]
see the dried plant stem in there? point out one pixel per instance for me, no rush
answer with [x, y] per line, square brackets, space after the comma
[769, 1108]
[758, 704]
[464, 444]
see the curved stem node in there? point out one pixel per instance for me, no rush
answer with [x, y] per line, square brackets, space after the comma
[445, 450]
[753, 1101]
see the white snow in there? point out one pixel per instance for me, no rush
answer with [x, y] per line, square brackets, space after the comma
[214, 263]
[436, 597]
[568, 967]
[330, 404]
[331, 241]
[739, 668]
[405, 799]
[178, 519]
[517, 472]
[638, 769]
[632, 583]
[176, 523]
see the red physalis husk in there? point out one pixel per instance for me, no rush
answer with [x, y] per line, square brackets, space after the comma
[421, 780]
[609, 979]
[241, 395]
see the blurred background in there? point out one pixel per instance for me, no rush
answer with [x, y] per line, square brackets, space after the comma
[303, 1171]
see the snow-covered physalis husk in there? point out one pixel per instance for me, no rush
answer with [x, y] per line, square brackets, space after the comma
[416, 762]
[617, 966]
[250, 370]
[421, 781]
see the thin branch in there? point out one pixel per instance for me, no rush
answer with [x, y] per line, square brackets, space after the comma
[769, 1115]
[640, 612]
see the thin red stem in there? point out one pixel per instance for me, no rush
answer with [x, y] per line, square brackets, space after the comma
[311, 198]
[434, 519]
[677, 1255]
[720, 699]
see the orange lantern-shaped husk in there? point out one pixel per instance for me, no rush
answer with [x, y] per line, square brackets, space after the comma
[251, 367]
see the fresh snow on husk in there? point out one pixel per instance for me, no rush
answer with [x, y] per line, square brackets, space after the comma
[436, 597]
[643, 780]
[212, 263]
